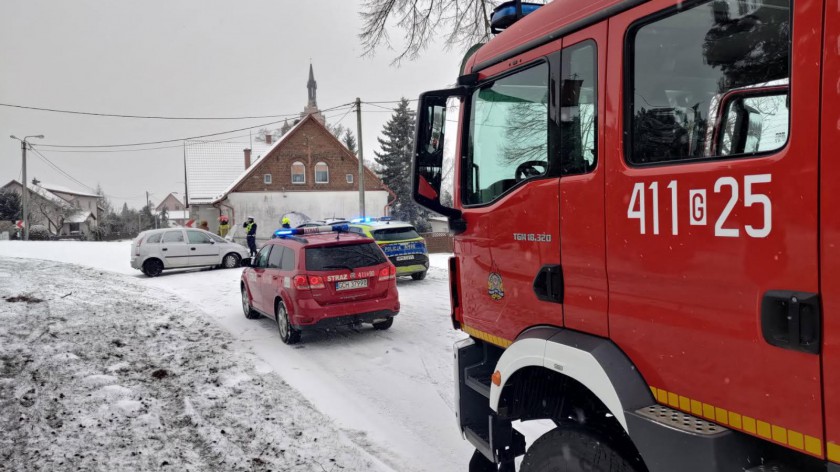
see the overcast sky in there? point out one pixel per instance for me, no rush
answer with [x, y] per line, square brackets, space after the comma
[181, 58]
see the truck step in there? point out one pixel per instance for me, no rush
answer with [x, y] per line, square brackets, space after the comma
[682, 421]
[771, 468]
[479, 437]
[478, 378]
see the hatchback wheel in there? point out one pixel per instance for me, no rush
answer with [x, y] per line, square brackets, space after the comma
[288, 333]
[152, 267]
[231, 260]
[250, 313]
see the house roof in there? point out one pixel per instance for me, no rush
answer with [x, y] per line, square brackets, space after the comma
[212, 165]
[79, 217]
[255, 164]
[59, 188]
[41, 192]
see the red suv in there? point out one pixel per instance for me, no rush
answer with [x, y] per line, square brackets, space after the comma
[320, 277]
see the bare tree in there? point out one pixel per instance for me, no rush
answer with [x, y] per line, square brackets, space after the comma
[458, 23]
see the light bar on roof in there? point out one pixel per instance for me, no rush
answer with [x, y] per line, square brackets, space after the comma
[311, 230]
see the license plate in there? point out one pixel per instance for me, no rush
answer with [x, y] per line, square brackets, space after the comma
[405, 258]
[351, 284]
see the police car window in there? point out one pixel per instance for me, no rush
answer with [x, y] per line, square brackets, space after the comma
[275, 257]
[344, 256]
[508, 138]
[173, 237]
[354, 229]
[197, 237]
[155, 238]
[710, 81]
[395, 234]
[288, 262]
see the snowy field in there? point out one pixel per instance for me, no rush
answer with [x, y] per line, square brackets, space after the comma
[117, 371]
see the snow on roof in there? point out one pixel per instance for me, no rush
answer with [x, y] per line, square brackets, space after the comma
[177, 215]
[79, 217]
[59, 188]
[42, 192]
[213, 165]
[255, 161]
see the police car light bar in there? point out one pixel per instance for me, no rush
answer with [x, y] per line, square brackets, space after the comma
[311, 230]
[370, 219]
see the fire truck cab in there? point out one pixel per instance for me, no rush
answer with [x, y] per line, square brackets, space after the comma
[647, 247]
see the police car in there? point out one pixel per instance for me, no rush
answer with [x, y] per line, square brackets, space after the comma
[399, 240]
[318, 278]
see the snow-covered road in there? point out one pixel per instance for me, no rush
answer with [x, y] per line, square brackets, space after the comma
[391, 391]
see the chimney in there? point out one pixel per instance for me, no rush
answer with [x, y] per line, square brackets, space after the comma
[247, 158]
[268, 138]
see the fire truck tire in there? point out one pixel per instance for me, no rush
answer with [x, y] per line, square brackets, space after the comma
[419, 275]
[288, 333]
[568, 449]
[383, 325]
[250, 313]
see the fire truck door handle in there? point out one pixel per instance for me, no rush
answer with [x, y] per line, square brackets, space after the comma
[548, 284]
[792, 320]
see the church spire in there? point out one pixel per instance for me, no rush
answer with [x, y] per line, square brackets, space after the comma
[313, 87]
[312, 103]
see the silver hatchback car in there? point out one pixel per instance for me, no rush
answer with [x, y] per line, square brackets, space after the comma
[157, 250]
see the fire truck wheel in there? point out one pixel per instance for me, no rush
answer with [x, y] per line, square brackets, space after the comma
[419, 275]
[288, 333]
[383, 325]
[573, 450]
[250, 313]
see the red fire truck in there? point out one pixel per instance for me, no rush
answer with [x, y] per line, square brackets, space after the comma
[647, 246]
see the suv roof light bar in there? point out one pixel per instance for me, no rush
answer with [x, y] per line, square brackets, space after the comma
[292, 233]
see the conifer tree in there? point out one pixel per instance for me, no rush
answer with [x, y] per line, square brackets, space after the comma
[349, 140]
[394, 163]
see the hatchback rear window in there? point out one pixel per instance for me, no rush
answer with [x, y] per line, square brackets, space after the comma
[345, 256]
[155, 238]
[395, 234]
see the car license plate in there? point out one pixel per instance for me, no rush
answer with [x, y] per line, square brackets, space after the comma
[351, 284]
[405, 258]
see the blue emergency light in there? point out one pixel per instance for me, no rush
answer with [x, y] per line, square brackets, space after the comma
[286, 232]
[370, 219]
[509, 13]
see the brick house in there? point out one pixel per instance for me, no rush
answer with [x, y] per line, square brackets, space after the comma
[302, 169]
[176, 211]
[307, 171]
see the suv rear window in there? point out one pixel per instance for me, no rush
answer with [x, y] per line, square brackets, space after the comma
[395, 234]
[344, 256]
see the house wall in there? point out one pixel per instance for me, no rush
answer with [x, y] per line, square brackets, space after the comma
[171, 204]
[310, 144]
[268, 207]
[80, 201]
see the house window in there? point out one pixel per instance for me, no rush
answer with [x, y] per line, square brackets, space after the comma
[349, 178]
[74, 227]
[267, 179]
[322, 173]
[298, 173]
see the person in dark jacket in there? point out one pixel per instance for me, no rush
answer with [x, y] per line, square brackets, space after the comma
[251, 235]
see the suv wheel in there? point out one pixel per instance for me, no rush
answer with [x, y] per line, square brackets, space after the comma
[288, 333]
[152, 267]
[383, 325]
[231, 260]
[419, 275]
[250, 313]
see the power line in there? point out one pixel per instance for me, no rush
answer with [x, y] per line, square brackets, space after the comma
[146, 117]
[166, 141]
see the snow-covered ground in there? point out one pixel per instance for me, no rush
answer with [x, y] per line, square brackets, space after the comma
[389, 393]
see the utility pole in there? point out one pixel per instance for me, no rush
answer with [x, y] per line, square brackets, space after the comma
[361, 158]
[25, 189]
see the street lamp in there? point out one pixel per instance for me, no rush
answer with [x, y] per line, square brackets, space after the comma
[25, 191]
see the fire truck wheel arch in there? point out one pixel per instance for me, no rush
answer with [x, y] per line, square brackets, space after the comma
[596, 363]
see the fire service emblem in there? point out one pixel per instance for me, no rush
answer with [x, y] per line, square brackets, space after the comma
[495, 288]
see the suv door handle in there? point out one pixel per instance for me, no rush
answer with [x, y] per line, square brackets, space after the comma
[792, 320]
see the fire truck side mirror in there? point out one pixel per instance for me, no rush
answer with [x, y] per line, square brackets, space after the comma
[430, 166]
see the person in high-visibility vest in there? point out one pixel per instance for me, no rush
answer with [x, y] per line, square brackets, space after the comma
[251, 235]
[286, 222]
[224, 226]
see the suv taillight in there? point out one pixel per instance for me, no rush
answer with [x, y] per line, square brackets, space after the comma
[316, 282]
[301, 282]
[388, 273]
